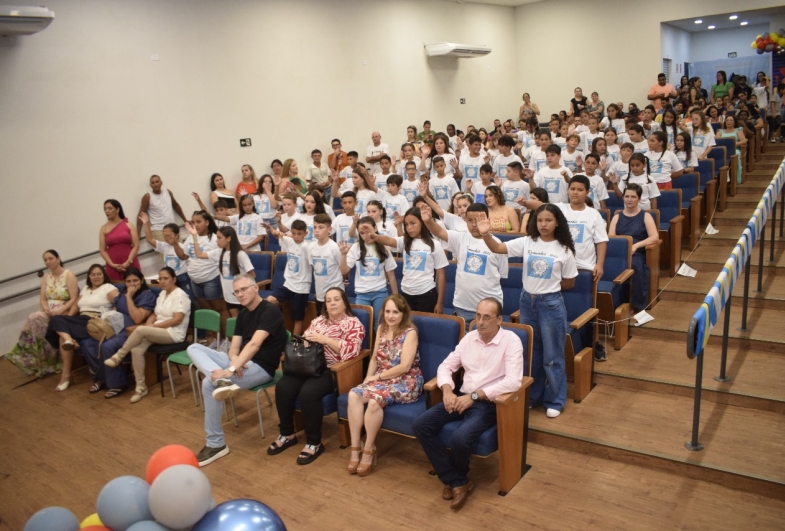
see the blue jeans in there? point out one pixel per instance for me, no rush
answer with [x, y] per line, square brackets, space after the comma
[467, 315]
[375, 299]
[547, 315]
[208, 360]
[453, 468]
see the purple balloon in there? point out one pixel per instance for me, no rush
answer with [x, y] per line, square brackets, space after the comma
[245, 514]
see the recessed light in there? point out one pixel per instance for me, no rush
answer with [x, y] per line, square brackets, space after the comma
[712, 27]
[744, 23]
[699, 21]
[733, 17]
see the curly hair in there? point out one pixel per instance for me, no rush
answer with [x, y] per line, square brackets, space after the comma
[562, 232]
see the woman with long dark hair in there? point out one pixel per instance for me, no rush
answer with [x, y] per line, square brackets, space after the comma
[118, 241]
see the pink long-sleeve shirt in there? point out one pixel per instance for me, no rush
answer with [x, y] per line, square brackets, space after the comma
[496, 367]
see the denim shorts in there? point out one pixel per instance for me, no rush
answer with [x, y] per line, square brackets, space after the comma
[209, 291]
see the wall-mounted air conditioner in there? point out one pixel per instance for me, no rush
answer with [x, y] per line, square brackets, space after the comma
[455, 50]
[24, 20]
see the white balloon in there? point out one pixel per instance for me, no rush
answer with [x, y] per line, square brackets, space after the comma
[180, 496]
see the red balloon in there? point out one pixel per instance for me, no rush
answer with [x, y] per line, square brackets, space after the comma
[171, 455]
[95, 528]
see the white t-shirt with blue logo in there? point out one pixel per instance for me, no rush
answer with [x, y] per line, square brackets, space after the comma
[401, 165]
[341, 227]
[248, 228]
[308, 219]
[263, 206]
[619, 169]
[326, 262]
[227, 278]
[171, 259]
[598, 190]
[570, 160]
[364, 197]
[442, 190]
[545, 264]
[470, 169]
[554, 183]
[381, 180]
[661, 165]
[692, 163]
[701, 141]
[479, 270]
[410, 190]
[370, 275]
[419, 265]
[297, 277]
[201, 269]
[393, 203]
[514, 190]
[500, 164]
[587, 229]
[448, 169]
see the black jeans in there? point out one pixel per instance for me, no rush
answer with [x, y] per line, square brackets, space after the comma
[310, 391]
[422, 303]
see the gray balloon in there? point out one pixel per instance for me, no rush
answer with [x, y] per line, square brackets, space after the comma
[180, 496]
[147, 525]
[53, 519]
[124, 502]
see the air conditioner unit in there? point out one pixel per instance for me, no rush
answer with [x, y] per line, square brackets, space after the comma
[455, 50]
[24, 20]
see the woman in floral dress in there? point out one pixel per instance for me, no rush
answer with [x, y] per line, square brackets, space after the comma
[394, 377]
[33, 354]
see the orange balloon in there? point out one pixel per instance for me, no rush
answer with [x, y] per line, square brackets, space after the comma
[163, 458]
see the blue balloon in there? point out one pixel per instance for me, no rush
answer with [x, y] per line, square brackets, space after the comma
[53, 519]
[147, 525]
[123, 502]
[241, 515]
[759, 51]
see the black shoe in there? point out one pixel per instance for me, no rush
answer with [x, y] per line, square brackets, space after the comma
[207, 455]
[599, 352]
[281, 444]
[305, 458]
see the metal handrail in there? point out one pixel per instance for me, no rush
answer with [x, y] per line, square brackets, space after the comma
[40, 270]
[719, 297]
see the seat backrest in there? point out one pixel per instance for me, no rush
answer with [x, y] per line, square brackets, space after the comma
[365, 315]
[504, 237]
[230, 324]
[716, 126]
[581, 297]
[279, 270]
[208, 320]
[262, 262]
[511, 289]
[526, 334]
[729, 143]
[349, 286]
[449, 284]
[720, 158]
[618, 257]
[689, 184]
[438, 336]
[669, 205]
[706, 172]
[613, 202]
[271, 243]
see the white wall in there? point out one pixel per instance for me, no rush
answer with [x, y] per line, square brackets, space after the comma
[675, 45]
[717, 44]
[612, 47]
[88, 116]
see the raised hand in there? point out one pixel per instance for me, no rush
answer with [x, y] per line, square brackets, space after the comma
[565, 174]
[397, 218]
[267, 186]
[487, 158]
[423, 188]
[469, 185]
[143, 217]
[195, 195]
[454, 163]
[425, 212]
[612, 177]
[190, 228]
[344, 247]
[483, 224]
[356, 218]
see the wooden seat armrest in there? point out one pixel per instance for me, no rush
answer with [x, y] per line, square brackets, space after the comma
[624, 276]
[515, 317]
[509, 398]
[652, 246]
[677, 219]
[349, 373]
[433, 393]
[430, 385]
[584, 318]
[263, 283]
[343, 365]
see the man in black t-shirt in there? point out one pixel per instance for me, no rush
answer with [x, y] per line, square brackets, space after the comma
[253, 357]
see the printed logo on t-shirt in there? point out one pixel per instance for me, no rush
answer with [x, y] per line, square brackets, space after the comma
[511, 194]
[382, 186]
[360, 205]
[370, 268]
[293, 264]
[309, 236]
[475, 263]
[539, 164]
[655, 166]
[320, 267]
[528, 141]
[698, 141]
[576, 231]
[441, 192]
[226, 271]
[410, 194]
[391, 210]
[263, 207]
[614, 156]
[540, 267]
[501, 171]
[343, 235]
[571, 165]
[191, 252]
[471, 172]
[172, 261]
[244, 228]
[415, 261]
[553, 186]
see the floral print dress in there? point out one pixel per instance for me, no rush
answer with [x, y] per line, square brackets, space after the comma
[32, 353]
[403, 389]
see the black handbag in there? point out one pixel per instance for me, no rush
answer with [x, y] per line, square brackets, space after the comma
[299, 360]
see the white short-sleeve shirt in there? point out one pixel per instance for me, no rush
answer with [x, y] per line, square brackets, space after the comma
[297, 277]
[171, 259]
[587, 229]
[419, 265]
[545, 264]
[514, 190]
[479, 270]
[661, 165]
[370, 275]
[227, 278]
[326, 262]
[341, 225]
[554, 183]
[201, 269]
[442, 190]
[168, 305]
[501, 162]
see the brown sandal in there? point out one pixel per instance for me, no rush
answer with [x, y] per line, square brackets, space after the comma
[352, 468]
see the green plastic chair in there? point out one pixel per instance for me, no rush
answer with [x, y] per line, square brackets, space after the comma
[264, 387]
[208, 320]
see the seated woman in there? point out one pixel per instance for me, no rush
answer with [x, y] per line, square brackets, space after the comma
[341, 334]
[32, 353]
[135, 304]
[635, 222]
[503, 218]
[394, 376]
[65, 331]
[166, 325]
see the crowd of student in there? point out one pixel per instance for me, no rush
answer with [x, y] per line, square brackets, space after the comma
[440, 192]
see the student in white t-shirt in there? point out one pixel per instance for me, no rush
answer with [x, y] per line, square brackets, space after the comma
[639, 143]
[588, 137]
[477, 188]
[479, 272]
[442, 186]
[514, 187]
[683, 150]
[411, 184]
[470, 164]
[571, 157]
[380, 178]
[613, 119]
[375, 267]
[453, 218]
[441, 148]
[505, 157]
[297, 277]
[392, 199]
[648, 124]
[408, 156]
[663, 164]
[549, 267]
[423, 260]
[561, 138]
[598, 190]
[289, 214]
[612, 148]
[343, 222]
[167, 250]
[538, 160]
[325, 257]
[264, 199]
[364, 188]
[456, 144]
[248, 225]
[554, 177]
[313, 206]
[345, 175]
[702, 135]
[205, 277]
[620, 169]
[376, 211]
[637, 173]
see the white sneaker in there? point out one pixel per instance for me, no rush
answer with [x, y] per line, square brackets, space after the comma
[224, 346]
[552, 413]
[225, 389]
[213, 345]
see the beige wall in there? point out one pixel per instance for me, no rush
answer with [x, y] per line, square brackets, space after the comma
[86, 115]
[612, 46]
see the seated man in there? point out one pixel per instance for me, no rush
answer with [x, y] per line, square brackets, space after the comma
[254, 355]
[492, 359]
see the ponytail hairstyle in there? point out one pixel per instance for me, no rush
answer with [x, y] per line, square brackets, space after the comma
[663, 139]
[640, 157]
[687, 144]
[212, 228]
[60, 260]
[172, 274]
[562, 232]
[363, 175]
[378, 204]
[242, 210]
[381, 250]
[317, 198]
[425, 234]
[234, 250]
[115, 203]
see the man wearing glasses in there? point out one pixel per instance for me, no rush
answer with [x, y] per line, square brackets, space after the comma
[338, 159]
[254, 355]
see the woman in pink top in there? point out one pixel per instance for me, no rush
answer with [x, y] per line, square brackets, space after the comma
[341, 334]
[118, 241]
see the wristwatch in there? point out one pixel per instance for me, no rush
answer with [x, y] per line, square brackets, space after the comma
[232, 369]
[475, 396]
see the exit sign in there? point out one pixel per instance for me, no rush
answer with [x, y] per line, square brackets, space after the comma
[732, 54]
[245, 142]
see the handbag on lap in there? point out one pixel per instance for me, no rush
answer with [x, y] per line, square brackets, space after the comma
[300, 360]
[105, 327]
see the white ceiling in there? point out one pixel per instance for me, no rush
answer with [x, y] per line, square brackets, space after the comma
[756, 17]
[508, 3]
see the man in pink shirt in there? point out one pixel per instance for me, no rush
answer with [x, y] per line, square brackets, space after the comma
[661, 93]
[492, 359]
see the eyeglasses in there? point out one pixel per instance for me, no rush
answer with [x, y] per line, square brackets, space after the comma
[240, 291]
[485, 318]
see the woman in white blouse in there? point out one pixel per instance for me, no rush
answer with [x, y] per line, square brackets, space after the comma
[166, 325]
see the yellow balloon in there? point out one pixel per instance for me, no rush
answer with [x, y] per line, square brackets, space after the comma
[754, 45]
[774, 36]
[91, 520]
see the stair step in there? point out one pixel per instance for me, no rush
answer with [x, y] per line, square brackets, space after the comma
[719, 255]
[651, 428]
[694, 289]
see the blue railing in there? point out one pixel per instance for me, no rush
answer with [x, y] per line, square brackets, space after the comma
[719, 296]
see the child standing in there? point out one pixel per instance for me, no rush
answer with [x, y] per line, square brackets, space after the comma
[598, 190]
[392, 200]
[505, 157]
[683, 149]
[380, 179]
[554, 177]
[638, 174]
[443, 186]
[411, 184]
[514, 187]
[325, 258]
[344, 221]
[663, 164]
[297, 276]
